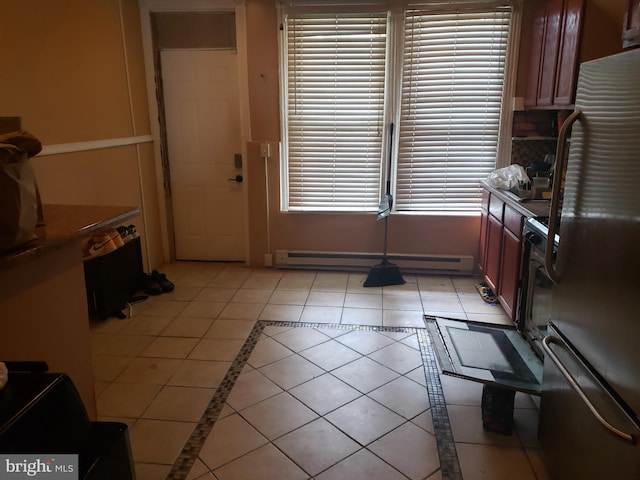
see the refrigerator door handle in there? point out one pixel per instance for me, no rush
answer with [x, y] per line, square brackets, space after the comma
[546, 341]
[555, 195]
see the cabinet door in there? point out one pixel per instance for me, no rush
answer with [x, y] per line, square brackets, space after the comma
[535, 59]
[549, 56]
[567, 68]
[494, 250]
[510, 273]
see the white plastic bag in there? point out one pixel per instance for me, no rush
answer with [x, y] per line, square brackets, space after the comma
[19, 198]
[508, 177]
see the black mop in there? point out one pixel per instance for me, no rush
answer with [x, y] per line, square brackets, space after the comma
[385, 273]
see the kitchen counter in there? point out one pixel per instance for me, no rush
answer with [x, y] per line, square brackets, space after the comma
[66, 224]
[528, 208]
[43, 302]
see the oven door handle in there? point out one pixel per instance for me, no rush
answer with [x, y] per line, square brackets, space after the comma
[546, 341]
[549, 266]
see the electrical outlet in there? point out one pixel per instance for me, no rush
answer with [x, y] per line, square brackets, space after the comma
[265, 150]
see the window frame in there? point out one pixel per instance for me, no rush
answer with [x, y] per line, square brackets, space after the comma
[393, 85]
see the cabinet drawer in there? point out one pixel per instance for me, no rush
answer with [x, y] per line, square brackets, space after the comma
[496, 207]
[484, 203]
[513, 221]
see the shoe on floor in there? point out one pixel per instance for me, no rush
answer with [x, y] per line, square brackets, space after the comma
[162, 280]
[149, 285]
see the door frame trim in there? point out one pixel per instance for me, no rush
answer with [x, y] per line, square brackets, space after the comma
[147, 7]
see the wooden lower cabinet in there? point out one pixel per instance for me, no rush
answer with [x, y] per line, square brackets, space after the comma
[501, 252]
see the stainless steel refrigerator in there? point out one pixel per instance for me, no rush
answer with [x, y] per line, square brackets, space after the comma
[589, 426]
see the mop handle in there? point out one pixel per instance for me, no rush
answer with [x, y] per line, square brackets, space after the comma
[384, 249]
[388, 192]
[389, 197]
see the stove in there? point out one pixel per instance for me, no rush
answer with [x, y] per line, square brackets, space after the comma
[536, 231]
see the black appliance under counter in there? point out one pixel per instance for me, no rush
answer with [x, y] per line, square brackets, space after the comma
[42, 413]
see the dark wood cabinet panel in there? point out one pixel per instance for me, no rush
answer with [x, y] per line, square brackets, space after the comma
[494, 253]
[500, 250]
[550, 48]
[567, 67]
[510, 272]
[631, 30]
[555, 49]
[535, 55]
[513, 220]
[482, 244]
[496, 207]
[484, 202]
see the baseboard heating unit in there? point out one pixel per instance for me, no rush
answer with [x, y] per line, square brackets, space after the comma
[449, 264]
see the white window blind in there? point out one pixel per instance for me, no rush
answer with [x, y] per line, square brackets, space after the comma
[335, 105]
[452, 89]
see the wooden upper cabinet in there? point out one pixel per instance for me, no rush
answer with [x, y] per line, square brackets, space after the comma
[567, 70]
[555, 48]
[550, 48]
[535, 56]
[631, 30]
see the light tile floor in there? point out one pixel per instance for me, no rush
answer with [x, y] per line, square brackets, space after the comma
[341, 397]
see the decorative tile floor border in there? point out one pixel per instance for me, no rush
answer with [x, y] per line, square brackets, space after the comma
[449, 465]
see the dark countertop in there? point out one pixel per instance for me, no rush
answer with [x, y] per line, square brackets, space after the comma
[65, 224]
[528, 208]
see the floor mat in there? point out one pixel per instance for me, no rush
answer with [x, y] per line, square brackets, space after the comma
[486, 293]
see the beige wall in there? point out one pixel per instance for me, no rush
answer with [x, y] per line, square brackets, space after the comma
[64, 74]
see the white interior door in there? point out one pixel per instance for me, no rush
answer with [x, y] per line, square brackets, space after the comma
[202, 113]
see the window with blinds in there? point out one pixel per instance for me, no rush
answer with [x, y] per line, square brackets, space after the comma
[439, 75]
[453, 77]
[335, 105]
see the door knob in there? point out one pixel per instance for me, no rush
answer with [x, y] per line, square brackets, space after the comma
[238, 178]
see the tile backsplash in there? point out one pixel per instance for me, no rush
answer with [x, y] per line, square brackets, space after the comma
[534, 135]
[525, 152]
